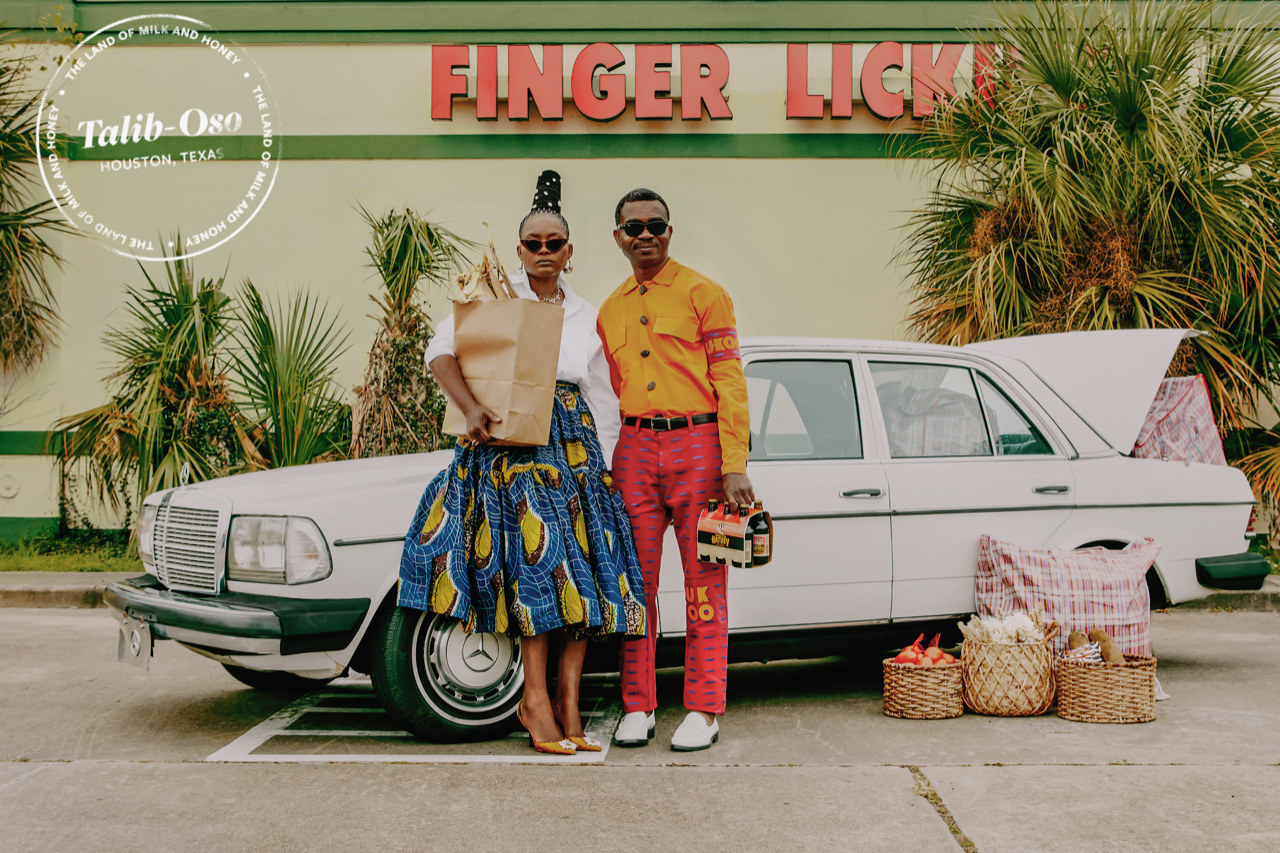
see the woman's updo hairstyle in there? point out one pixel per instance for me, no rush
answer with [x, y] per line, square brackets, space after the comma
[546, 199]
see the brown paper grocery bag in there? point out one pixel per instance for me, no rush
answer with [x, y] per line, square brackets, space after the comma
[508, 350]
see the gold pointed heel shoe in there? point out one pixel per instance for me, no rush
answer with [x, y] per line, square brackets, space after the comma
[583, 742]
[551, 747]
[586, 743]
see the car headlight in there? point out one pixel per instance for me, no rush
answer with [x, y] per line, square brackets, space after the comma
[276, 549]
[145, 531]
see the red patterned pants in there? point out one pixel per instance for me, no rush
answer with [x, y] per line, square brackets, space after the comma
[667, 478]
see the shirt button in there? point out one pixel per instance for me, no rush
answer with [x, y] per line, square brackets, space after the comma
[652, 385]
[644, 321]
[644, 353]
[643, 290]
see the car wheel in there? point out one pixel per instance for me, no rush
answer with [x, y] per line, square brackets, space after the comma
[275, 681]
[440, 682]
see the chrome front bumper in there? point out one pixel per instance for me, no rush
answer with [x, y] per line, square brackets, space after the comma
[238, 622]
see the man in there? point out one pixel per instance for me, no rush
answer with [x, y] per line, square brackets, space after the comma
[672, 344]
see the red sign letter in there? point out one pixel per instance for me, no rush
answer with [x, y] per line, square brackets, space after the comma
[653, 81]
[842, 81]
[931, 81]
[612, 99]
[525, 79]
[444, 83]
[697, 88]
[487, 81]
[983, 66]
[885, 55]
[800, 104]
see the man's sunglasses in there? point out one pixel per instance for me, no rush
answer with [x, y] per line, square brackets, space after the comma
[553, 245]
[657, 227]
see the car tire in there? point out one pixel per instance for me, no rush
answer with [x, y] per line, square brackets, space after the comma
[275, 681]
[440, 682]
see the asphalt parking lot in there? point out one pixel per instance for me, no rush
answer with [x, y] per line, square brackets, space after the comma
[97, 755]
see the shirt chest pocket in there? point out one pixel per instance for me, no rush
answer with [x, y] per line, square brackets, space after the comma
[684, 329]
[615, 343]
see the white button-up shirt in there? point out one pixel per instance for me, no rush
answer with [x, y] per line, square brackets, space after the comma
[582, 360]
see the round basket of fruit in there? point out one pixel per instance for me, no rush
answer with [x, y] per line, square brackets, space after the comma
[923, 683]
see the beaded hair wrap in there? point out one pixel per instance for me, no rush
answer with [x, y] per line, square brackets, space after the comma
[546, 199]
[547, 195]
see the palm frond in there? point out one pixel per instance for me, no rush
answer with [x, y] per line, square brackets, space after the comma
[28, 312]
[284, 370]
[169, 404]
[1122, 171]
[408, 250]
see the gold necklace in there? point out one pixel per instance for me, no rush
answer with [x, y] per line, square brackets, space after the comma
[554, 300]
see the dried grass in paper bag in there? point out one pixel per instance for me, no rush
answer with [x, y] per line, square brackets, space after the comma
[508, 349]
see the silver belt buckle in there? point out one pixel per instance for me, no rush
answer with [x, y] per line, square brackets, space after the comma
[661, 424]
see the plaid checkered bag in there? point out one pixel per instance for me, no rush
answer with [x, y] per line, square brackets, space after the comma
[1081, 590]
[937, 422]
[1180, 424]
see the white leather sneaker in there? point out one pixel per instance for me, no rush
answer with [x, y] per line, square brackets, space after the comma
[635, 729]
[695, 733]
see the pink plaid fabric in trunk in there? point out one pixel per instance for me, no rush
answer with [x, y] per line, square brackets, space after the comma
[1180, 425]
[1082, 589]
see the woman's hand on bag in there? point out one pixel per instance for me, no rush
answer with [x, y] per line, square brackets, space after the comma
[479, 419]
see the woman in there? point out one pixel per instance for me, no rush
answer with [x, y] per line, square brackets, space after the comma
[533, 541]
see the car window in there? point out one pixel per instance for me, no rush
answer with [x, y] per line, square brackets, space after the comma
[930, 410]
[803, 409]
[1014, 433]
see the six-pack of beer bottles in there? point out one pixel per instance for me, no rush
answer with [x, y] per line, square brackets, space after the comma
[742, 537]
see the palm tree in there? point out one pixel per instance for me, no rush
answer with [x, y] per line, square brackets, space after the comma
[398, 408]
[171, 407]
[1120, 170]
[285, 359]
[28, 312]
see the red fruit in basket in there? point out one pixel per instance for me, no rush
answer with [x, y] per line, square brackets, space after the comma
[911, 653]
[933, 653]
[947, 657]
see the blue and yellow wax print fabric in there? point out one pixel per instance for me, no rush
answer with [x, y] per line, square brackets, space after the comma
[527, 540]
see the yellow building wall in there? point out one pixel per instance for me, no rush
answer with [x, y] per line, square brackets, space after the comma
[805, 246]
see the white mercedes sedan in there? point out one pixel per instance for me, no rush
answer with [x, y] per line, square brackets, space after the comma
[882, 464]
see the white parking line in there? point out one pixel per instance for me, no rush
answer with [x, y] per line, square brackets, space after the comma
[272, 739]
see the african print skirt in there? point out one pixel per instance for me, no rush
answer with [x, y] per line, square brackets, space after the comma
[524, 540]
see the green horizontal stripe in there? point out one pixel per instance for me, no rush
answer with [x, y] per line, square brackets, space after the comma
[17, 529]
[482, 146]
[873, 36]
[29, 443]
[529, 21]
[504, 21]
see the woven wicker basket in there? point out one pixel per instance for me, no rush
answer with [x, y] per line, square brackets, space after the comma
[922, 692]
[1007, 679]
[1107, 692]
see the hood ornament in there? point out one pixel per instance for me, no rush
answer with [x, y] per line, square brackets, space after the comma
[184, 474]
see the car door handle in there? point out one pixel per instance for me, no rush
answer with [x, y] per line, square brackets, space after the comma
[1052, 490]
[861, 493]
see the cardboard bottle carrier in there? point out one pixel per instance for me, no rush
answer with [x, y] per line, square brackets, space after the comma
[743, 540]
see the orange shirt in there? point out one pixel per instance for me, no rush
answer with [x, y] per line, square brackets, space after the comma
[672, 346]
